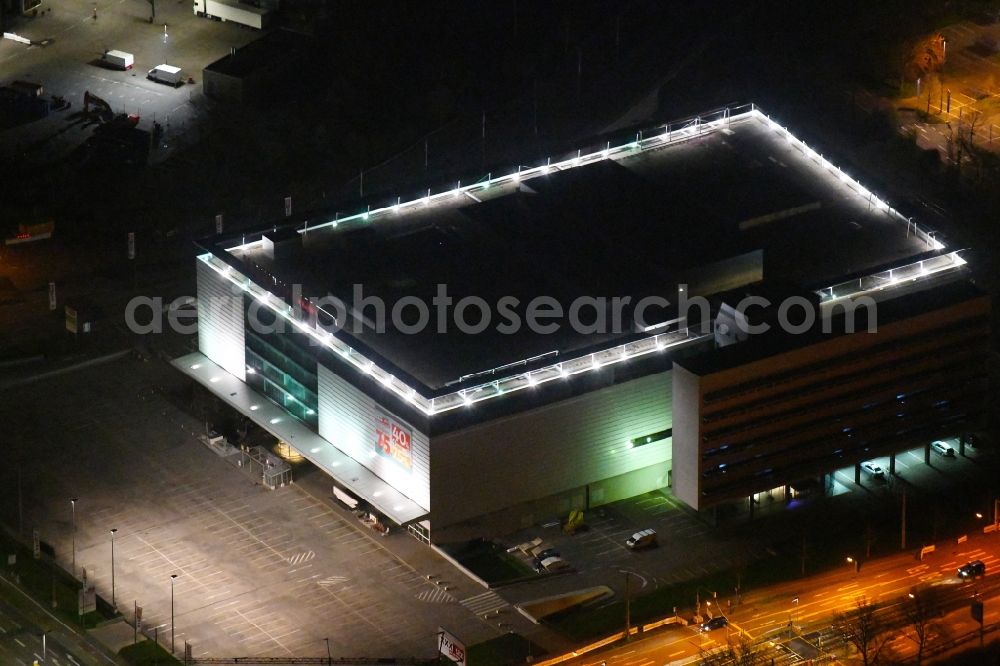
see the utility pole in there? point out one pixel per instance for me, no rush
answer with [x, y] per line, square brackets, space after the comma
[628, 609]
[114, 602]
[173, 577]
[72, 503]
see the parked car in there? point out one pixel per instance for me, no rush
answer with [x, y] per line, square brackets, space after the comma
[873, 470]
[972, 569]
[717, 622]
[641, 539]
[548, 552]
[554, 564]
[943, 448]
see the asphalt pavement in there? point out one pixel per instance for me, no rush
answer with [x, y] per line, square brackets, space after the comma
[797, 617]
[29, 633]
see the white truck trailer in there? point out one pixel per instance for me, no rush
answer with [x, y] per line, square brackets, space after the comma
[118, 60]
[234, 11]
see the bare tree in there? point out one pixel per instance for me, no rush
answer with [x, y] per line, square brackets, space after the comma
[740, 650]
[862, 628]
[921, 610]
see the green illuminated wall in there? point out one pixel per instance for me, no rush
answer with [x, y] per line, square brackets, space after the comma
[560, 448]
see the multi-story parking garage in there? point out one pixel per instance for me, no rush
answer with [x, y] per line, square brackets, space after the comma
[573, 331]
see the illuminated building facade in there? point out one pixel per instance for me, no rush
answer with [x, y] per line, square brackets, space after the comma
[435, 424]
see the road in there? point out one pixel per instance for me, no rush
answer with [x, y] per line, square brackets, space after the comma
[28, 633]
[809, 606]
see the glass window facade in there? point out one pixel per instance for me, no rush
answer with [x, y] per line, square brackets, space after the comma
[279, 364]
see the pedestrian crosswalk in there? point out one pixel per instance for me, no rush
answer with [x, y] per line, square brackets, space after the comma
[331, 581]
[484, 603]
[301, 558]
[435, 596]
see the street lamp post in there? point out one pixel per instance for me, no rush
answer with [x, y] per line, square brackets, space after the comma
[329, 657]
[791, 619]
[173, 577]
[114, 602]
[628, 609]
[72, 503]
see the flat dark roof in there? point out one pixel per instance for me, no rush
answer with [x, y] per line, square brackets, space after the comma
[630, 226]
[276, 46]
[756, 348]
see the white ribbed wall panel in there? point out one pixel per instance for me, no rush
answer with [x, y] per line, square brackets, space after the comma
[220, 321]
[551, 449]
[347, 419]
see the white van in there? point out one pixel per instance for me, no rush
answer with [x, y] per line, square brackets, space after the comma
[641, 539]
[166, 74]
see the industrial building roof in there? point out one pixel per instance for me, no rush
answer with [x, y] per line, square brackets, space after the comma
[274, 47]
[709, 204]
[942, 293]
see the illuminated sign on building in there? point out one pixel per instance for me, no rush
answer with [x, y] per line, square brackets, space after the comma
[451, 647]
[393, 440]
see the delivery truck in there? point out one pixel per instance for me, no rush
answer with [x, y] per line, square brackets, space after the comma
[234, 11]
[166, 74]
[118, 60]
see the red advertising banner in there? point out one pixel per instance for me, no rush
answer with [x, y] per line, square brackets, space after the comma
[451, 647]
[393, 440]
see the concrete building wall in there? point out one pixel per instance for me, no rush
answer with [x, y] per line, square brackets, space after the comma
[222, 87]
[802, 413]
[532, 512]
[353, 422]
[686, 450]
[558, 448]
[220, 321]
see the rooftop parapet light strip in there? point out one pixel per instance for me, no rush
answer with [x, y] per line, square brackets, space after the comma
[658, 341]
[468, 395]
[650, 139]
[567, 367]
[890, 278]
